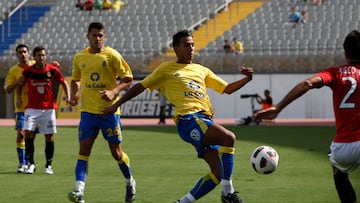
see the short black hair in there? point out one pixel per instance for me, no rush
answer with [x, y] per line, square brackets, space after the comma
[177, 37]
[351, 45]
[96, 25]
[37, 49]
[21, 46]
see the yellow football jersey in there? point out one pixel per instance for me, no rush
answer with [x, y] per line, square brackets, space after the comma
[185, 86]
[15, 72]
[98, 72]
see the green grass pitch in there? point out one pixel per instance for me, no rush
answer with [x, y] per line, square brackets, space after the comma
[166, 168]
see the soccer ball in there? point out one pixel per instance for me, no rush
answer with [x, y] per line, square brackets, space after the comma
[264, 159]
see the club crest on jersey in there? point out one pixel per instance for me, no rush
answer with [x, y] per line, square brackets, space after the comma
[194, 85]
[94, 77]
[40, 89]
[48, 74]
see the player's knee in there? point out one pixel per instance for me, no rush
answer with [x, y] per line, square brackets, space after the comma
[117, 155]
[230, 139]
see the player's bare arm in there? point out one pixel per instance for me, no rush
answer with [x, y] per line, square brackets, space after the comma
[300, 89]
[109, 95]
[74, 88]
[66, 90]
[234, 86]
[18, 95]
[133, 92]
[11, 87]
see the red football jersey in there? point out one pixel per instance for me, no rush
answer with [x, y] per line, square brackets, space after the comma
[344, 81]
[40, 82]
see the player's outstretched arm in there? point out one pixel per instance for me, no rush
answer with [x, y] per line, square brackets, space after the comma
[300, 89]
[234, 86]
[109, 95]
[269, 113]
[132, 92]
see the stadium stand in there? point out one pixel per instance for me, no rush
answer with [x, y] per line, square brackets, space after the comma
[271, 48]
[142, 32]
[6, 7]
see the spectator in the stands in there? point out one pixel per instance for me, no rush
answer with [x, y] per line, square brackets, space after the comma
[98, 4]
[295, 18]
[118, 4]
[89, 5]
[237, 46]
[317, 2]
[79, 5]
[107, 5]
[227, 47]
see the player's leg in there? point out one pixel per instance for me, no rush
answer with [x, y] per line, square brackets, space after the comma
[344, 158]
[88, 132]
[218, 135]
[206, 183]
[343, 186]
[49, 153]
[47, 125]
[30, 150]
[114, 138]
[81, 170]
[191, 129]
[123, 162]
[20, 142]
[30, 124]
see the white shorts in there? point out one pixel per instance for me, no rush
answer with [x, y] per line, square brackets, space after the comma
[345, 156]
[45, 120]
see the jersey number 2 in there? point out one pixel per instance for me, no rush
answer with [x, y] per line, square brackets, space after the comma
[343, 103]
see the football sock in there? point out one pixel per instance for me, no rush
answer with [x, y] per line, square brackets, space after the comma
[20, 149]
[188, 198]
[226, 162]
[129, 181]
[204, 185]
[81, 168]
[49, 152]
[80, 186]
[344, 188]
[227, 187]
[29, 148]
[124, 165]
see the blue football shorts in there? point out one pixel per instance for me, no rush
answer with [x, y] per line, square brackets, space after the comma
[192, 128]
[91, 124]
[19, 120]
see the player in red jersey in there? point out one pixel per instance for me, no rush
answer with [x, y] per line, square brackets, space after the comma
[40, 109]
[344, 82]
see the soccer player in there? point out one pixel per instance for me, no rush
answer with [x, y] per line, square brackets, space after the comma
[14, 79]
[40, 108]
[185, 84]
[96, 70]
[344, 81]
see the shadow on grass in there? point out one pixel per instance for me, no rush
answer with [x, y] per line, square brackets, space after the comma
[309, 138]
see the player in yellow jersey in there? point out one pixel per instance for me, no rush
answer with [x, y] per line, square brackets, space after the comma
[96, 70]
[14, 79]
[184, 85]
